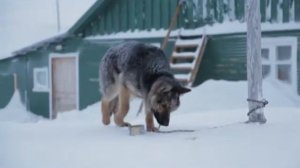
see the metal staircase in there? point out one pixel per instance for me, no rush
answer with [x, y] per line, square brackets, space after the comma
[186, 58]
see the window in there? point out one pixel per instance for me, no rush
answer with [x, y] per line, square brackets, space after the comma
[279, 59]
[265, 54]
[284, 73]
[40, 80]
[284, 53]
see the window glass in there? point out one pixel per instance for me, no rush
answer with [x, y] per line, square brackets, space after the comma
[265, 54]
[40, 79]
[284, 73]
[266, 70]
[284, 53]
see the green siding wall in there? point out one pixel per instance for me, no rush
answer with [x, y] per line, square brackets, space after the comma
[124, 15]
[16, 66]
[224, 58]
[129, 15]
[38, 102]
[6, 88]
[90, 56]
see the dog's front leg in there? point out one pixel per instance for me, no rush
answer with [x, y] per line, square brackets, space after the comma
[150, 123]
[123, 107]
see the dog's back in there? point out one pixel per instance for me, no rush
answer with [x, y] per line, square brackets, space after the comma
[130, 64]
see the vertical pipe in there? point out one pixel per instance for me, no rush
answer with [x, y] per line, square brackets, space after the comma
[58, 15]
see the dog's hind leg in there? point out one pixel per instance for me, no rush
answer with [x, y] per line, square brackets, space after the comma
[113, 106]
[109, 104]
[123, 107]
[105, 109]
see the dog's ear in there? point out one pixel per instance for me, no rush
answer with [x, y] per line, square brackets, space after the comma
[181, 90]
[165, 87]
[161, 86]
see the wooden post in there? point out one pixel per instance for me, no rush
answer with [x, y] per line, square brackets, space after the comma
[254, 66]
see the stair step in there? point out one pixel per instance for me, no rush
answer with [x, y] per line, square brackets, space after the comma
[188, 42]
[183, 55]
[182, 66]
[182, 77]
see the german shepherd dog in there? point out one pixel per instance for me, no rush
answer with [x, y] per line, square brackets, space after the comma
[141, 70]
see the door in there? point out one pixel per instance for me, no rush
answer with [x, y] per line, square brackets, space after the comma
[64, 92]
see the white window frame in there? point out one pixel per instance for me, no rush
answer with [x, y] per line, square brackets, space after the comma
[37, 86]
[272, 44]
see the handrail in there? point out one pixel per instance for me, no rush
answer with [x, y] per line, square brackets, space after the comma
[173, 22]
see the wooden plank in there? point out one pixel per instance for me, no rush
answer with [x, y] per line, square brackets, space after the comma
[199, 59]
[274, 11]
[173, 5]
[157, 14]
[108, 22]
[139, 4]
[101, 24]
[148, 14]
[263, 9]
[132, 17]
[165, 13]
[200, 21]
[94, 27]
[116, 17]
[220, 11]
[189, 16]
[124, 15]
[240, 9]
[286, 10]
[297, 10]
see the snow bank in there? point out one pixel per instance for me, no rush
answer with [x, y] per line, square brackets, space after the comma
[216, 111]
[223, 95]
[15, 111]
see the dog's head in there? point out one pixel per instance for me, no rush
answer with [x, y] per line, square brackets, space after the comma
[164, 98]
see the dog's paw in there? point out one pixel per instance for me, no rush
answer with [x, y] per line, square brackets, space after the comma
[106, 121]
[152, 129]
[126, 124]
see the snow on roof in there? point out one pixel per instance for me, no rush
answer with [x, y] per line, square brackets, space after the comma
[215, 29]
[26, 22]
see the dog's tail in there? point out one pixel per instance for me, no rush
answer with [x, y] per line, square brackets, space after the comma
[113, 106]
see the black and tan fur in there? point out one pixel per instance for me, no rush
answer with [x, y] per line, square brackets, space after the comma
[140, 70]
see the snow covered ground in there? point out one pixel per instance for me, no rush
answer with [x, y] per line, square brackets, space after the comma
[216, 111]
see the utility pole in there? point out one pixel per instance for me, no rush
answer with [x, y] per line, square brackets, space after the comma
[58, 15]
[254, 66]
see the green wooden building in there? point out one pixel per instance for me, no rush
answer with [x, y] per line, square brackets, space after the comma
[61, 73]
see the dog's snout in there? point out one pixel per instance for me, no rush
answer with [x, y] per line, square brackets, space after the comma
[162, 119]
[165, 123]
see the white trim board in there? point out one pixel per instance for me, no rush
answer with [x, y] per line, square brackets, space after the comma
[64, 55]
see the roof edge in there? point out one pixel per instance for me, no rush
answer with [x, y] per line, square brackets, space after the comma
[87, 16]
